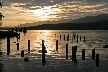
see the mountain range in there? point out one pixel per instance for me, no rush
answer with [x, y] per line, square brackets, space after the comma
[87, 19]
[99, 22]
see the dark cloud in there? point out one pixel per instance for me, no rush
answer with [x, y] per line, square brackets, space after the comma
[29, 3]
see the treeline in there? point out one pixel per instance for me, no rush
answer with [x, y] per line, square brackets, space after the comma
[71, 26]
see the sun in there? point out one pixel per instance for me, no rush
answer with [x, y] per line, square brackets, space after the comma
[38, 12]
[46, 13]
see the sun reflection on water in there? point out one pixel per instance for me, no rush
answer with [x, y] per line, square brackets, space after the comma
[48, 38]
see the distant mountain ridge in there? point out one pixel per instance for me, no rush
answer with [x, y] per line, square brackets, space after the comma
[89, 19]
[99, 22]
[86, 19]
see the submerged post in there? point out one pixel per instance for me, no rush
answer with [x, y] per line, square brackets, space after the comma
[43, 53]
[17, 46]
[64, 37]
[74, 34]
[97, 60]
[8, 45]
[67, 38]
[84, 38]
[93, 54]
[60, 37]
[66, 51]
[77, 38]
[80, 38]
[74, 49]
[83, 54]
[56, 45]
[22, 53]
[28, 46]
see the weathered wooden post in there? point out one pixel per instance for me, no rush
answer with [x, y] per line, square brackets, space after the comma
[93, 54]
[56, 45]
[74, 34]
[97, 60]
[64, 37]
[83, 54]
[22, 53]
[77, 38]
[74, 49]
[72, 53]
[80, 38]
[67, 38]
[66, 51]
[8, 45]
[43, 53]
[68, 35]
[84, 38]
[17, 46]
[60, 37]
[28, 46]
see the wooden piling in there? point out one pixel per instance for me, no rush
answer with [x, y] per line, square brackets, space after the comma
[97, 60]
[93, 54]
[8, 45]
[67, 38]
[74, 34]
[56, 45]
[74, 37]
[64, 37]
[66, 51]
[28, 46]
[77, 38]
[80, 38]
[60, 37]
[43, 53]
[74, 49]
[83, 54]
[17, 46]
[22, 53]
[84, 38]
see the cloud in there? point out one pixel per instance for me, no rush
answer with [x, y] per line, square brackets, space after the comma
[52, 9]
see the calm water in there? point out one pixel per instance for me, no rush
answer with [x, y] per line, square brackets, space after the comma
[94, 39]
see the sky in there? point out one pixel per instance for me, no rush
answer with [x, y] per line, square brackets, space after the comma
[18, 12]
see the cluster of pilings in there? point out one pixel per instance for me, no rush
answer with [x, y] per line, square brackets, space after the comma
[75, 37]
[74, 49]
[74, 56]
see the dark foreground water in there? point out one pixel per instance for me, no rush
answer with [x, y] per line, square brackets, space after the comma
[55, 60]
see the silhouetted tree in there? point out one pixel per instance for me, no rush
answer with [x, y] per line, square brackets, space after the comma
[1, 16]
[1, 4]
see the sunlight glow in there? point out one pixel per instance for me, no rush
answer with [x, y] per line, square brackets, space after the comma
[38, 12]
[46, 31]
[46, 13]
